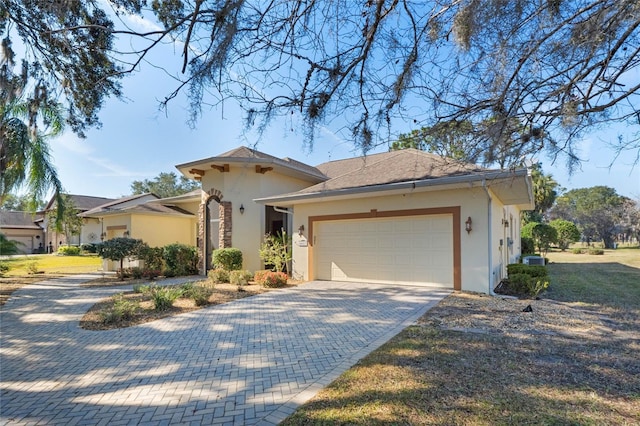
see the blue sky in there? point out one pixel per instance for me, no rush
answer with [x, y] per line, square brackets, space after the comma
[138, 141]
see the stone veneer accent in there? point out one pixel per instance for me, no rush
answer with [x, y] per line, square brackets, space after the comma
[225, 224]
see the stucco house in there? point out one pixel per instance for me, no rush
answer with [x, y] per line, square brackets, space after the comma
[402, 217]
[157, 221]
[90, 230]
[23, 228]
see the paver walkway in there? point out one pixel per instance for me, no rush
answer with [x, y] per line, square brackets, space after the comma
[251, 361]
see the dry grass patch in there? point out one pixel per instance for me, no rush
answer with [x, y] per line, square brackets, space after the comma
[480, 360]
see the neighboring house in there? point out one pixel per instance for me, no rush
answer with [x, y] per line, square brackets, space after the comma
[402, 217]
[156, 221]
[23, 228]
[91, 227]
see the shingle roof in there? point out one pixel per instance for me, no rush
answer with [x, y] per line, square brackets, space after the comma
[86, 202]
[396, 166]
[244, 154]
[18, 219]
[112, 204]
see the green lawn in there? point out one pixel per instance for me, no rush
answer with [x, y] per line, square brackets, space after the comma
[577, 366]
[52, 264]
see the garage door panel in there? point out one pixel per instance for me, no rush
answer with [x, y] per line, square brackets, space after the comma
[403, 250]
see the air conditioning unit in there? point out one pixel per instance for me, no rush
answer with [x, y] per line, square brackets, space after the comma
[533, 260]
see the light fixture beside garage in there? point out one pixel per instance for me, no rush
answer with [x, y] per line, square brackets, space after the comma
[467, 225]
[241, 209]
[301, 230]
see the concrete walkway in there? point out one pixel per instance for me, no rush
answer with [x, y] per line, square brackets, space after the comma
[252, 361]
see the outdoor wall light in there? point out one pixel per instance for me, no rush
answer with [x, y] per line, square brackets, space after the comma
[241, 209]
[126, 234]
[301, 230]
[467, 225]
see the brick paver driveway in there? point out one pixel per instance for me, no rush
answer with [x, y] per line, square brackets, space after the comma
[252, 361]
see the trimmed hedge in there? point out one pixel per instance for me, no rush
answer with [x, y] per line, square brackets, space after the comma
[524, 280]
[229, 259]
[69, 250]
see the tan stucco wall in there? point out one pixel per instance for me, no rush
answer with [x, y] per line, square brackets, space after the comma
[473, 202]
[241, 185]
[26, 237]
[158, 231]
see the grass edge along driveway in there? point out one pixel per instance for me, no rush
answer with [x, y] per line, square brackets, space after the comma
[573, 360]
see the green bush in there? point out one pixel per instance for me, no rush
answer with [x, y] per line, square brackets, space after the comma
[524, 280]
[122, 309]
[152, 257]
[198, 294]
[240, 278]
[136, 272]
[151, 273]
[531, 270]
[163, 297]
[69, 251]
[229, 259]
[275, 251]
[218, 275]
[527, 245]
[169, 273]
[4, 268]
[181, 259]
[595, 251]
[577, 250]
[271, 279]
[89, 248]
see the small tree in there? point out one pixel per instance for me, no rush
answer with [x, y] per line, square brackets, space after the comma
[276, 251]
[543, 235]
[118, 249]
[229, 259]
[567, 232]
[67, 220]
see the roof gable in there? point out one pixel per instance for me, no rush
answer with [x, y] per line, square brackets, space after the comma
[18, 219]
[244, 155]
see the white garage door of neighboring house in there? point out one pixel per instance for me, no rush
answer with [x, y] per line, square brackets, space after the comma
[400, 250]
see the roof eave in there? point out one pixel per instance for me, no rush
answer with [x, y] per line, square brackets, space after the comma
[461, 180]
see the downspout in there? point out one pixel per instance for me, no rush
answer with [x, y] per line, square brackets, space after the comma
[281, 210]
[489, 234]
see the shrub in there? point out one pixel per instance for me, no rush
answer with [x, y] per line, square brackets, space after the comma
[4, 268]
[198, 294]
[276, 251]
[123, 274]
[543, 235]
[218, 276]
[32, 268]
[163, 297]
[169, 273]
[152, 257]
[122, 309]
[271, 279]
[181, 259]
[89, 248]
[527, 245]
[531, 270]
[595, 251]
[229, 259]
[136, 272]
[240, 278]
[524, 280]
[69, 250]
[151, 273]
[577, 250]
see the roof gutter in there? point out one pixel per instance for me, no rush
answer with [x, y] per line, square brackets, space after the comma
[423, 183]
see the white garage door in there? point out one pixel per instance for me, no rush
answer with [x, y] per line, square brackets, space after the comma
[403, 250]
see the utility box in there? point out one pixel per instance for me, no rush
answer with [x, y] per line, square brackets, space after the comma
[533, 260]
